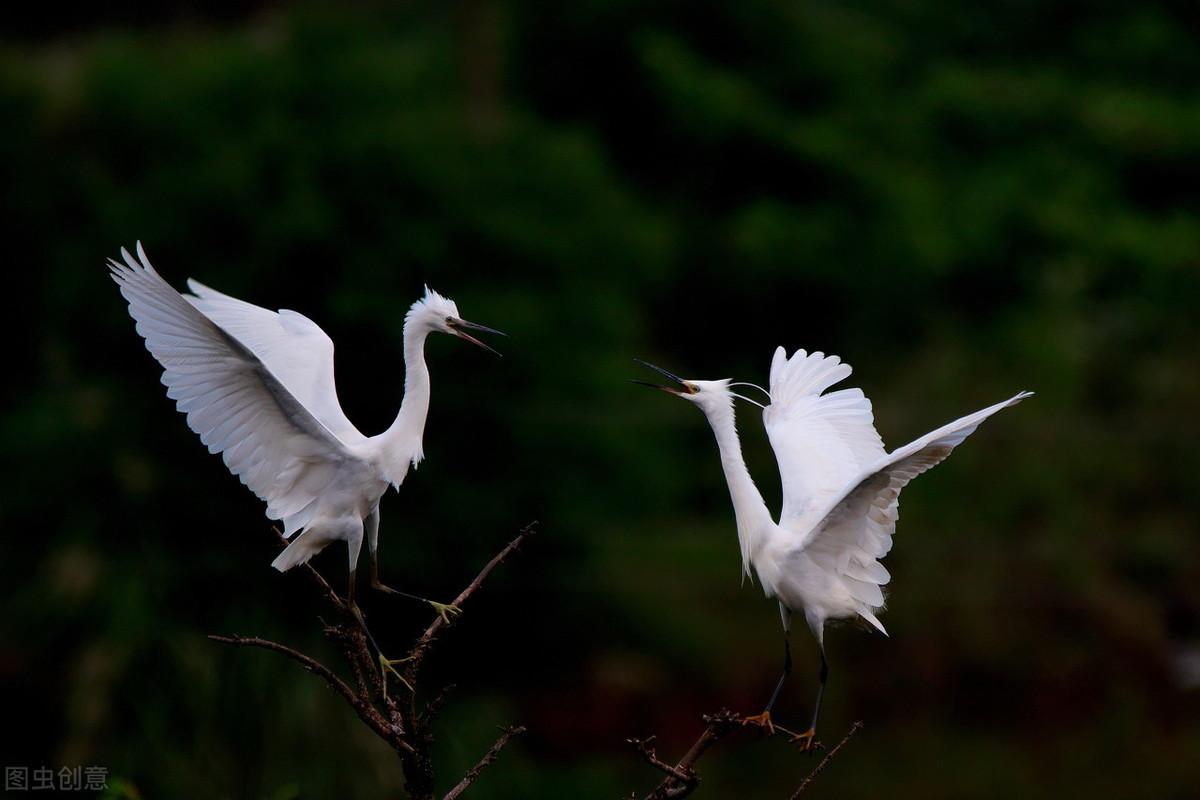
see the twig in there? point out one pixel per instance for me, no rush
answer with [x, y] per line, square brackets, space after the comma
[646, 748]
[422, 646]
[682, 779]
[353, 644]
[365, 710]
[395, 720]
[491, 755]
[434, 706]
[855, 728]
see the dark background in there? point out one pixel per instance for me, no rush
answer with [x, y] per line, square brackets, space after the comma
[961, 200]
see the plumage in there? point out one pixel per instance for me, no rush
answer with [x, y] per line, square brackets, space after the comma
[841, 490]
[257, 386]
[853, 529]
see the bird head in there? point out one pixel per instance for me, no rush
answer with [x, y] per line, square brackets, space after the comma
[708, 395]
[435, 312]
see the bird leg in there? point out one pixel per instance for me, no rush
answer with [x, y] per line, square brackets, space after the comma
[443, 610]
[386, 665]
[806, 741]
[763, 720]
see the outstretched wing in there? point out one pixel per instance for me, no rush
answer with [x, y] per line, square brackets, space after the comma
[855, 529]
[293, 347]
[821, 441]
[232, 400]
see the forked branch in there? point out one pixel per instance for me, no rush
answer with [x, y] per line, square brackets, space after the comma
[681, 777]
[366, 712]
[417, 654]
[395, 721]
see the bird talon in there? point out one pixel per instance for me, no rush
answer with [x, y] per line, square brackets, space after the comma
[386, 665]
[806, 741]
[762, 720]
[445, 610]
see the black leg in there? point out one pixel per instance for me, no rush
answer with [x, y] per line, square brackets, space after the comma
[820, 690]
[358, 612]
[354, 609]
[787, 670]
[445, 610]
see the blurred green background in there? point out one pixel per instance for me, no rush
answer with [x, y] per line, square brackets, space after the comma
[961, 200]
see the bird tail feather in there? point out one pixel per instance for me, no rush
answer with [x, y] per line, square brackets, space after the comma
[298, 552]
[874, 620]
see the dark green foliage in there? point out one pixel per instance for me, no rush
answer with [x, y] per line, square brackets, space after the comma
[960, 200]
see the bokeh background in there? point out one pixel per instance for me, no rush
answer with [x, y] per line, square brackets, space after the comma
[961, 200]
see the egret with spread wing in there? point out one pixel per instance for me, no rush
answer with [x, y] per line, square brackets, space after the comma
[257, 386]
[840, 494]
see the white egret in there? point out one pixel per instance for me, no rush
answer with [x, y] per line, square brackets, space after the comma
[840, 495]
[258, 387]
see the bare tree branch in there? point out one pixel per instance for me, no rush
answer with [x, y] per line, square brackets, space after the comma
[491, 755]
[646, 748]
[855, 728]
[434, 706]
[417, 654]
[366, 712]
[394, 720]
[681, 778]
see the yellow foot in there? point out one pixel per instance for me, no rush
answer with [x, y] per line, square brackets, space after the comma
[387, 665]
[806, 741]
[445, 610]
[762, 720]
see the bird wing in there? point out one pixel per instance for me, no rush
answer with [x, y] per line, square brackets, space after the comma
[821, 441]
[234, 402]
[293, 347]
[855, 529]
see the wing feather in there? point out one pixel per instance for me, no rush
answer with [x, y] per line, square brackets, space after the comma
[233, 401]
[293, 347]
[856, 528]
[821, 441]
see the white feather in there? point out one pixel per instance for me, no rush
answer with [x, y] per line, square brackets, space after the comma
[257, 386]
[841, 489]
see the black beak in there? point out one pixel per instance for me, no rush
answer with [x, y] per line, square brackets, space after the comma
[461, 326]
[687, 388]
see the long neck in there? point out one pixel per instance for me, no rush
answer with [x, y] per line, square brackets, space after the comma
[754, 521]
[402, 441]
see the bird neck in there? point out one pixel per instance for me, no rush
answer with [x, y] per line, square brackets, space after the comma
[402, 441]
[750, 510]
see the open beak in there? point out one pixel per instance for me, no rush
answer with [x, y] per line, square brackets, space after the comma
[461, 326]
[684, 387]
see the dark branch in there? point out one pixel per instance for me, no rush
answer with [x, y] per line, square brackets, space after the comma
[434, 706]
[423, 644]
[393, 718]
[491, 755]
[855, 728]
[681, 778]
[650, 755]
[365, 710]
